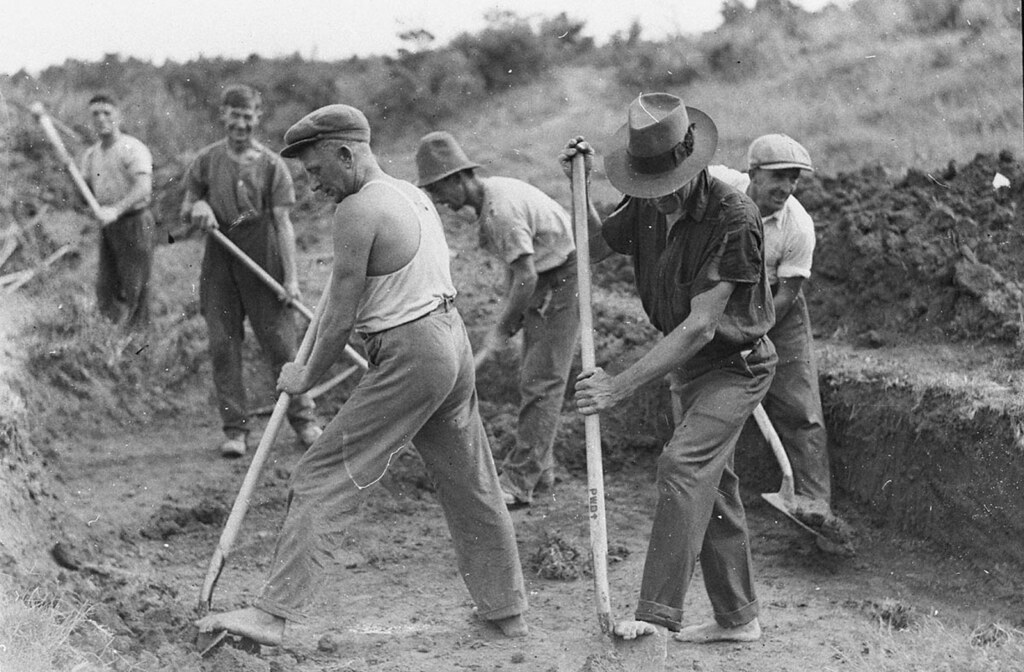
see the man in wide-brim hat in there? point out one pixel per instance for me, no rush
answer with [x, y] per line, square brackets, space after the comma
[697, 248]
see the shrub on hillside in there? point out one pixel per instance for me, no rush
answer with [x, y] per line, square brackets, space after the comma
[427, 86]
[506, 53]
[646, 66]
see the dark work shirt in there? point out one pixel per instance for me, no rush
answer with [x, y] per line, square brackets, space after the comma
[718, 239]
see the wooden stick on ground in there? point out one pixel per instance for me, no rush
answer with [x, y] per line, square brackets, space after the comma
[25, 276]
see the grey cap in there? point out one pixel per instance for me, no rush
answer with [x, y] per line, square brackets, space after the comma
[777, 152]
[331, 122]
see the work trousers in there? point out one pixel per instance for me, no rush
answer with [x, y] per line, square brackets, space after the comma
[420, 387]
[551, 328]
[793, 403]
[125, 262]
[228, 293]
[699, 514]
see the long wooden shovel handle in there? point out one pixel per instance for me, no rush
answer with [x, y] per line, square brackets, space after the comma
[768, 430]
[282, 294]
[241, 505]
[592, 423]
[39, 112]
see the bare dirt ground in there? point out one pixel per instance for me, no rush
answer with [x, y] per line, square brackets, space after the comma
[149, 503]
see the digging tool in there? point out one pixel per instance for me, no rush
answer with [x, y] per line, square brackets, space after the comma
[282, 294]
[319, 390]
[784, 500]
[646, 653]
[241, 505]
[481, 356]
[39, 112]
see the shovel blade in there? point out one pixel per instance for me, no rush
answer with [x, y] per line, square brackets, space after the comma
[209, 642]
[824, 543]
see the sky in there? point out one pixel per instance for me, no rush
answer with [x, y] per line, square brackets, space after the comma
[35, 34]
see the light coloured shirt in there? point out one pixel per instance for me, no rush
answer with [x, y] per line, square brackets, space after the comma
[788, 232]
[418, 287]
[517, 218]
[112, 171]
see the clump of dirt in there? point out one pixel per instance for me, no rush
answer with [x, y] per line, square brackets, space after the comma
[557, 559]
[890, 612]
[171, 520]
[931, 256]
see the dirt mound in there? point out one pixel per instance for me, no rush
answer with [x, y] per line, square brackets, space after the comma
[924, 257]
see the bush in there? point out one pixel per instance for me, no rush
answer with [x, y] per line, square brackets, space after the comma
[506, 53]
[647, 66]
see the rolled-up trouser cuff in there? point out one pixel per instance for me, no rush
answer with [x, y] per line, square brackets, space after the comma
[290, 615]
[659, 614]
[741, 616]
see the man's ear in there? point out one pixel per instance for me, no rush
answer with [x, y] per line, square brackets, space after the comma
[346, 154]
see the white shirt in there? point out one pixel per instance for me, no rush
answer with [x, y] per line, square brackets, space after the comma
[788, 232]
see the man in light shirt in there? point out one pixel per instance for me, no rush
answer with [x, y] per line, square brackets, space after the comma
[119, 171]
[775, 163]
[532, 235]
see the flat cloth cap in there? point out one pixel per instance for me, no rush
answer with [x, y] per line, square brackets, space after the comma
[778, 152]
[331, 122]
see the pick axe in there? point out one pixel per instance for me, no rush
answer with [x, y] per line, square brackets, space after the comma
[259, 458]
[39, 112]
[646, 653]
[282, 294]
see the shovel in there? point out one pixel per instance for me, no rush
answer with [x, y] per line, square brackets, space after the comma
[784, 499]
[206, 641]
[646, 653]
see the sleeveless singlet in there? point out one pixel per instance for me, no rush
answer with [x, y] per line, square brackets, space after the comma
[418, 287]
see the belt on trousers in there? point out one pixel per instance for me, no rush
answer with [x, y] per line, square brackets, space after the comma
[447, 304]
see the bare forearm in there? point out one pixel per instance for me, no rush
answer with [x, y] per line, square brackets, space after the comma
[137, 195]
[331, 338]
[516, 302]
[286, 244]
[671, 352]
[785, 296]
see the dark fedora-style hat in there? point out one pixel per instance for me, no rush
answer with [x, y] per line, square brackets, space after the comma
[438, 156]
[650, 158]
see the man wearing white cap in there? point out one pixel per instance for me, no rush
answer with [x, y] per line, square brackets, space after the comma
[532, 234]
[775, 163]
[697, 248]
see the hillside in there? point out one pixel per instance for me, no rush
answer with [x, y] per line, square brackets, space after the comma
[909, 110]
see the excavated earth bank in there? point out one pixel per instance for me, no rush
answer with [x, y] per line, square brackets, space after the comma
[916, 301]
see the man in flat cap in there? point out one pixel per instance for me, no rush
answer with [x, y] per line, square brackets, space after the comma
[532, 235]
[698, 254]
[775, 163]
[243, 189]
[391, 284]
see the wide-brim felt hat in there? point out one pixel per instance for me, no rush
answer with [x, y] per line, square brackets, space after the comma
[650, 159]
[438, 156]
